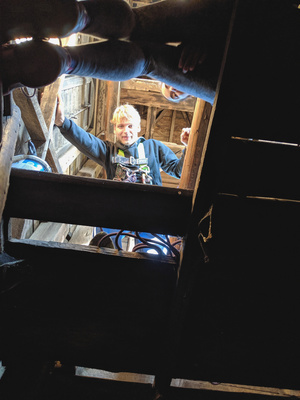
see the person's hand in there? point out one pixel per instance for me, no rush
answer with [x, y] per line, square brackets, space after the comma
[185, 134]
[60, 113]
[191, 56]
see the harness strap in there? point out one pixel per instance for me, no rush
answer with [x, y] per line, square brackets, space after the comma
[129, 161]
[120, 158]
[141, 150]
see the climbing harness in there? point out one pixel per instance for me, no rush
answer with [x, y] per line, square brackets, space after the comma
[130, 169]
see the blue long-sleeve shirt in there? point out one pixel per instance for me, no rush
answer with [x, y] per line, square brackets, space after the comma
[102, 152]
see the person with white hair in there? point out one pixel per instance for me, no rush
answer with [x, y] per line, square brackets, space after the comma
[131, 158]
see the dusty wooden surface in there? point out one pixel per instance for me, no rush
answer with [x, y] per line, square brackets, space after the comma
[10, 130]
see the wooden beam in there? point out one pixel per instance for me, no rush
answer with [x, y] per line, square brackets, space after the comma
[151, 120]
[112, 101]
[197, 145]
[48, 108]
[31, 115]
[161, 115]
[100, 108]
[61, 198]
[148, 85]
[82, 235]
[50, 232]
[154, 99]
[7, 148]
[36, 126]
[95, 257]
[173, 120]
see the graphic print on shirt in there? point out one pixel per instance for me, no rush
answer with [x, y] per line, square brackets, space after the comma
[131, 169]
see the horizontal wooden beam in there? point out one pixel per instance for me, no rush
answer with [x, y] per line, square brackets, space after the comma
[154, 99]
[148, 85]
[97, 202]
[78, 253]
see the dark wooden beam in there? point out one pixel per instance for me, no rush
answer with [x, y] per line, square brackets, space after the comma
[30, 249]
[7, 147]
[97, 202]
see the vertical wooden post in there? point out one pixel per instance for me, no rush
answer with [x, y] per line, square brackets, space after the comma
[195, 151]
[151, 120]
[112, 101]
[173, 120]
[9, 138]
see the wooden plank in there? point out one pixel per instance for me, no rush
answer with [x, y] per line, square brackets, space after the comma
[195, 152]
[68, 157]
[112, 101]
[49, 231]
[151, 120]
[61, 198]
[82, 235]
[169, 181]
[49, 101]
[90, 169]
[154, 99]
[33, 118]
[48, 108]
[148, 85]
[79, 253]
[7, 148]
[186, 383]
[173, 120]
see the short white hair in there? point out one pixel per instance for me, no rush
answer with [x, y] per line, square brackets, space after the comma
[126, 111]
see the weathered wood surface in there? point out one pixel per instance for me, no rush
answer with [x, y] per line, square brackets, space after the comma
[148, 85]
[155, 99]
[36, 126]
[90, 169]
[68, 157]
[51, 231]
[196, 148]
[10, 130]
[54, 249]
[60, 198]
[112, 101]
[165, 122]
[82, 235]
[31, 115]
[151, 120]
[188, 384]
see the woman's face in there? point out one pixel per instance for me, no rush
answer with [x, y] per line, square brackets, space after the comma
[172, 93]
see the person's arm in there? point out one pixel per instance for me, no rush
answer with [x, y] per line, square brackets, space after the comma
[88, 144]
